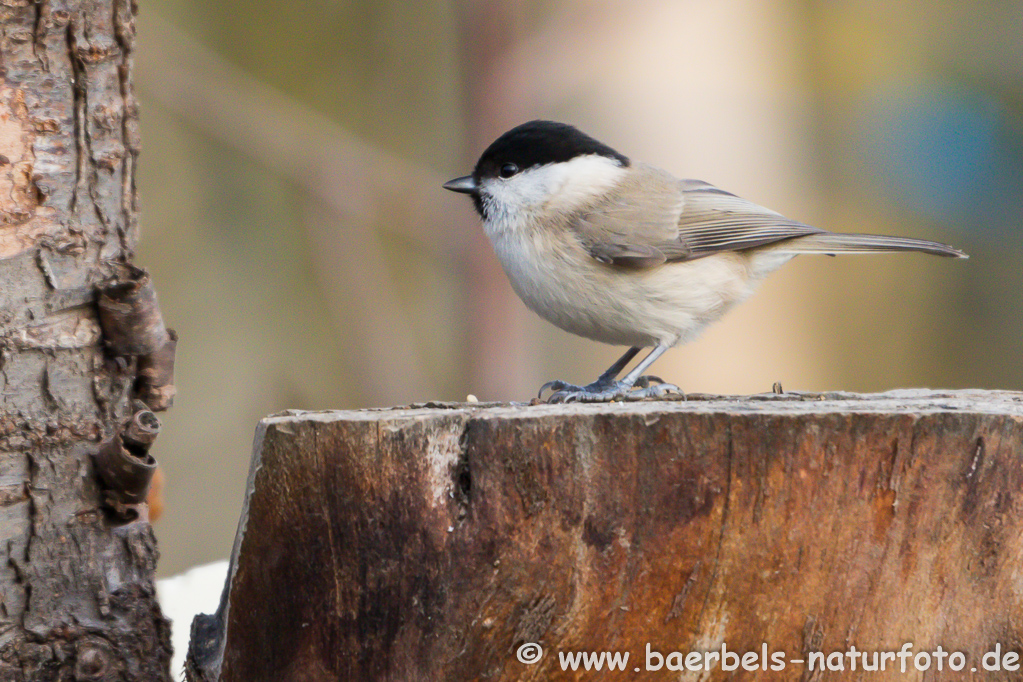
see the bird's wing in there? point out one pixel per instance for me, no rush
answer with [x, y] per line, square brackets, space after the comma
[654, 218]
[636, 224]
[714, 220]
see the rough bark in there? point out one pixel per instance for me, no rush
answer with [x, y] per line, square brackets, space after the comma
[430, 544]
[76, 592]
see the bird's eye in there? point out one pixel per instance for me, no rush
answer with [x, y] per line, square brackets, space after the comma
[508, 170]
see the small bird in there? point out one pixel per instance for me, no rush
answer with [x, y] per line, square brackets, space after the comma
[622, 252]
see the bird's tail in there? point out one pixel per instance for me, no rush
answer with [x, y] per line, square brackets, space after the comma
[832, 243]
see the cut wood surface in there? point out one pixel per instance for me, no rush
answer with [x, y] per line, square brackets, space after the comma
[434, 542]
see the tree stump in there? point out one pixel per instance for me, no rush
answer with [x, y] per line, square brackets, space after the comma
[770, 537]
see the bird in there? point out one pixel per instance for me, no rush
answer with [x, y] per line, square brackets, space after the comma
[625, 253]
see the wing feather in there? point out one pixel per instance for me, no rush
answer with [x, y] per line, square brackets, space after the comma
[714, 220]
[654, 218]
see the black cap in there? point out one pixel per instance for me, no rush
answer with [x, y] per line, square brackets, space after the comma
[538, 143]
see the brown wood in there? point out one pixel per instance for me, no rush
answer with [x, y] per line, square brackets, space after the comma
[76, 581]
[432, 543]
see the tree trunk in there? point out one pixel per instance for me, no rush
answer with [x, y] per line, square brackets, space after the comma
[437, 544]
[77, 556]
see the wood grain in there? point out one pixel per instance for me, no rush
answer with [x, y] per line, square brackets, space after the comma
[430, 543]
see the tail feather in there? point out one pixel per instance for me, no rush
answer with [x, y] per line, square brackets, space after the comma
[832, 243]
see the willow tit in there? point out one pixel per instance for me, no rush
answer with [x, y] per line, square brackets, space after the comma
[625, 253]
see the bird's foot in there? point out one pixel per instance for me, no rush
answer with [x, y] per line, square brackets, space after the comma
[559, 386]
[606, 391]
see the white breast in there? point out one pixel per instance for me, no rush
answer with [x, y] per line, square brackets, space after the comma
[668, 304]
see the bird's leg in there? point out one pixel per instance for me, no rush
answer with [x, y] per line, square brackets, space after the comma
[611, 373]
[637, 371]
[603, 382]
[606, 388]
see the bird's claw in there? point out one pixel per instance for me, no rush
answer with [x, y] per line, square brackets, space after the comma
[558, 386]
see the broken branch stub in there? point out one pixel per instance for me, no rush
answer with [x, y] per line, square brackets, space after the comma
[125, 465]
[154, 382]
[133, 326]
[130, 315]
[434, 544]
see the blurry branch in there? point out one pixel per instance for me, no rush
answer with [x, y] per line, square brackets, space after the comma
[349, 175]
[344, 175]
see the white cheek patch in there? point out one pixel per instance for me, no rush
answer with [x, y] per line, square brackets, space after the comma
[583, 179]
[559, 186]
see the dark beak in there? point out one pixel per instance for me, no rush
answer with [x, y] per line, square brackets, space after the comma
[465, 185]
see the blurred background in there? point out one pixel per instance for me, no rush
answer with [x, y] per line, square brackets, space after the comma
[303, 248]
